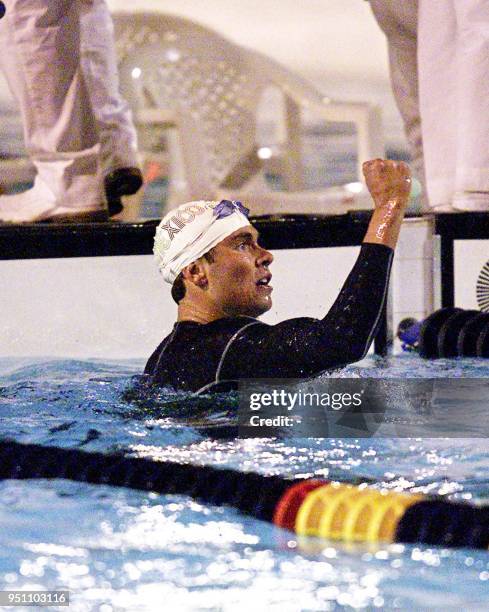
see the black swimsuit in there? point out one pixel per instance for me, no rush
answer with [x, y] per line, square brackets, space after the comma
[196, 356]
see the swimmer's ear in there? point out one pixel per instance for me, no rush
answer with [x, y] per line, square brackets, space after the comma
[195, 274]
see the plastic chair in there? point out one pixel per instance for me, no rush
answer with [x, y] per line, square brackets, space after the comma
[178, 74]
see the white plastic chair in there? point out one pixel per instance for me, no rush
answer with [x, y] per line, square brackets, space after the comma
[176, 73]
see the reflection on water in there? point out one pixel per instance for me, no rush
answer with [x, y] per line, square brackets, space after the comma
[133, 550]
[128, 548]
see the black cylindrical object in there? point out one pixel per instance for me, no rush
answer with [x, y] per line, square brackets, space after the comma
[450, 330]
[440, 522]
[430, 328]
[469, 335]
[483, 342]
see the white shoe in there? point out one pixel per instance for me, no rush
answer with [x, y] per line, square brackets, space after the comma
[471, 201]
[56, 197]
[33, 207]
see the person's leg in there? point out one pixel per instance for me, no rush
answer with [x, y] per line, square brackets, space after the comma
[472, 129]
[398, 20]
[40, 51]
[438, 98]
[116, 131]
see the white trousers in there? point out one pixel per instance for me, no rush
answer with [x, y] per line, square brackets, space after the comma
[398, 20]
[59, 60]
[453, 56]
[116, 132]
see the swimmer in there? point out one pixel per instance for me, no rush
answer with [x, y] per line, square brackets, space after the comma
[220, 278]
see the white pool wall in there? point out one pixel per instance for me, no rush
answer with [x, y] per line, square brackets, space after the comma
[120, 307]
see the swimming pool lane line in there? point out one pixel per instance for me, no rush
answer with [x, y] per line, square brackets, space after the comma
[310, 507]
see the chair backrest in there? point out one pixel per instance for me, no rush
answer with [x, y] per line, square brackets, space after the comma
[210, 84]
[176, 72]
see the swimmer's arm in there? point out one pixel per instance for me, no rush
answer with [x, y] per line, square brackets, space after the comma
[305, 347]
[389, 183]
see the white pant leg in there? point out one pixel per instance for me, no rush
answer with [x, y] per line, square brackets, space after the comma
[472, 128]
[398, 20]
[437, 68]
[39, 42]
[117, 135]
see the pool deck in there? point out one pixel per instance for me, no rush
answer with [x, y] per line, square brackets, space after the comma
[38, 240]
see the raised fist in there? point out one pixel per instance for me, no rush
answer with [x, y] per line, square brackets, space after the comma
[387, 181]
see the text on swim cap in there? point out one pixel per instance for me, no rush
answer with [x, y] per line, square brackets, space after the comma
[181, 219]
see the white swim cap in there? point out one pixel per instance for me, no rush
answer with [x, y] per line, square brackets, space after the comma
[191, 230]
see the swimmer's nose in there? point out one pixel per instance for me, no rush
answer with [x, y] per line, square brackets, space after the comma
[265, 258]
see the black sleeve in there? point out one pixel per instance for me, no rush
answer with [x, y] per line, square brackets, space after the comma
[306, 347]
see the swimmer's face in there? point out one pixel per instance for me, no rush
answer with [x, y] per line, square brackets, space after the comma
[238, 277]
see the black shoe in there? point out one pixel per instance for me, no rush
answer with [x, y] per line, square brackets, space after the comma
[123, 181]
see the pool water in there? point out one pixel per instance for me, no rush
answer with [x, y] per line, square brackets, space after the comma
[116, 548]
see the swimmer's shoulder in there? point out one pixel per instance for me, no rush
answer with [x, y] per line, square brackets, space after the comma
[188, 333]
